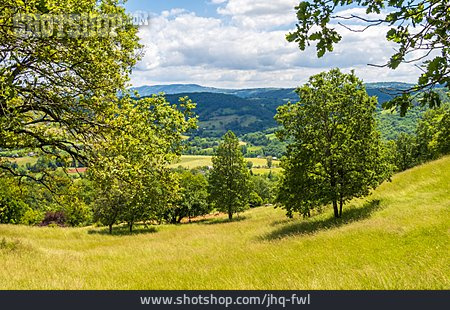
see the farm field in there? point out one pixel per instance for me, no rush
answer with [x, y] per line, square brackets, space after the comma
[21, 161]
[397, 238]
[189, 162]
[192, 162]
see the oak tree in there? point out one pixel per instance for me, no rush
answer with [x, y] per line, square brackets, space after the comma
[419, 28]
[59, 77]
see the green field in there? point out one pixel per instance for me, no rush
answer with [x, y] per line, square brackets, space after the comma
[22, 161]
[189, 162]
[192, 162]
[398, 238]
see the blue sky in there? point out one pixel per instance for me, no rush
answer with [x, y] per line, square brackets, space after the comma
[202, 7]
[241, 44]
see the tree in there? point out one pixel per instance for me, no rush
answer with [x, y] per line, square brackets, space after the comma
[262, 186]
[420, 28]
[249, 165]
[336, 153]
[229, 187]
[269, 160]
[109, 203]
[433, 133]
[131, 166]
[12, 206]
[405, 152]
[255, 200]
[58, 86]
[193, 200]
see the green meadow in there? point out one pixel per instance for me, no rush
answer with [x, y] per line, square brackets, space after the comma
[397, 238]
[194, 161]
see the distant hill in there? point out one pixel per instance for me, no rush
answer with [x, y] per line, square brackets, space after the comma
[251, 110]
[378, 89]
[145, 91]
[221, 112]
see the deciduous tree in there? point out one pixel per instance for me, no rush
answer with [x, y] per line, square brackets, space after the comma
[229, 181]
[336, 153]
[58, 88]
[420, 28]
[132, 164]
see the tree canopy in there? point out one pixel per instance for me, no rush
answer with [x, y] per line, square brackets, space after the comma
[131, 166]
[229, 181]
[419, 28]
[336, 153]
[57, 88]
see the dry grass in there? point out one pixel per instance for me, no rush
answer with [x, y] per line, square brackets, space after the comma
[191, 162]
[399, 238]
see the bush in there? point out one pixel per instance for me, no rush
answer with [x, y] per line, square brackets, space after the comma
[262, 186]
[11, 210]
[54, 219]
[255, 200]
[77, 214]
[32, 217]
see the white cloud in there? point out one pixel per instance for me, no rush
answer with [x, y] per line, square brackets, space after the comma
[260, 14]
[182, 47]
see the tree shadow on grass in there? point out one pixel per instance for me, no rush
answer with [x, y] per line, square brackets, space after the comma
[223, 220]
[124, 231]
[313, 226]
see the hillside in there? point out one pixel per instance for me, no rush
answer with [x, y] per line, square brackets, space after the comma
[252, 110]
[399, 238]
[381, 90]
[219, 113]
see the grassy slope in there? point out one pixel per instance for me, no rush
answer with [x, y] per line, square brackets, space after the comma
[401, 243]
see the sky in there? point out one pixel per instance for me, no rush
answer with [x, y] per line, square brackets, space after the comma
[241, 44]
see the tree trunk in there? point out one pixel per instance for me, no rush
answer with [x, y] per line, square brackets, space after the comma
[341, 204]
[110, 229]
[131, 227]
[230, 215]
[335, 193]
[335, 208]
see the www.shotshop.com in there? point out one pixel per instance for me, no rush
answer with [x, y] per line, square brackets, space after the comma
[267, 300]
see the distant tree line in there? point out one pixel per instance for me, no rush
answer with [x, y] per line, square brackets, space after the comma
[430, 140]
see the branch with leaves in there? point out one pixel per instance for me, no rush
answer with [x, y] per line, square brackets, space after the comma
[416, 26]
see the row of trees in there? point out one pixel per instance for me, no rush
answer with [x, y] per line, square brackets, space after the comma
[114, 191]
[334, 154]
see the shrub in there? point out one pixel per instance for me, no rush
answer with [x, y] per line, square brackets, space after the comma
[32, 217]
[77, 214]
[255, 200]
[11, 210]
[54, 219]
